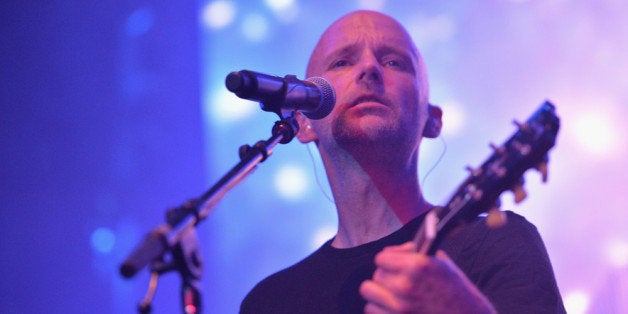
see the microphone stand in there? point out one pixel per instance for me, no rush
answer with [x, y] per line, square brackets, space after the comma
[178, 234]
[187, 260]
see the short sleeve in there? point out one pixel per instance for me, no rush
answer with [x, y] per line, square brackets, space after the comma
[509, 264]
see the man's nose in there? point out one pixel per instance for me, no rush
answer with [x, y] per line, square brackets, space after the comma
[370, 70]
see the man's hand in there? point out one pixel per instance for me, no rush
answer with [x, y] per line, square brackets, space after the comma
[409, 282]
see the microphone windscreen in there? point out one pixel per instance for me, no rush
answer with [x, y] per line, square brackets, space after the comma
[327, 101]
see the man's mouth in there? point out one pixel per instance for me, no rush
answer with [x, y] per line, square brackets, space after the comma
[368, 98]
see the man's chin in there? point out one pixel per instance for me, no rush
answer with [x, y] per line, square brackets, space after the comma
[366, 130]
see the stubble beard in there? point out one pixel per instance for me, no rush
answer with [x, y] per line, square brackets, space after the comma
[385, 140]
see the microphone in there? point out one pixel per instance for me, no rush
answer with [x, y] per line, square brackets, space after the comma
[314, 97]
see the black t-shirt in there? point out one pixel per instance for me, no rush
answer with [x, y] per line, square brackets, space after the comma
[508, 264]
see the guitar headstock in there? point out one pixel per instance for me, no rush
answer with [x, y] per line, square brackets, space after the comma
[527, 148]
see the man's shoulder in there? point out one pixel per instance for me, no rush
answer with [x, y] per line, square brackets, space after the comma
[292, 273]
[509, 264]
[517, 236]
[515, 225]
[282, 283]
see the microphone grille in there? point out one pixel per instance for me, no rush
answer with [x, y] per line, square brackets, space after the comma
[328, 98]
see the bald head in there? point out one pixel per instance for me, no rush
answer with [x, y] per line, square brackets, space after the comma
[366, 26]
[369, 24]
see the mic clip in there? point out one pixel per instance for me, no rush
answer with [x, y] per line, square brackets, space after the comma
[274, 104]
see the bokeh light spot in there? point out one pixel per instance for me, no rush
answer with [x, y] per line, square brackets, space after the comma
[225, 107]
[453, 118]
[139, 22]
[617, 253]
[285, 11]
[290, 182]
[218, 14]
[595, 133]
[429, 30]
[255, 28]
[103, 240]
[322, 235]
[377, 5]
[278, 5]
[576, 302]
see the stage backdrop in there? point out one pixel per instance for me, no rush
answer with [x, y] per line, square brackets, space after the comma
[101, 132]
[113, 112]
[489, 62]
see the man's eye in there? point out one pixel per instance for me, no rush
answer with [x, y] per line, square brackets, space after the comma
[392, 63]
[340, 63]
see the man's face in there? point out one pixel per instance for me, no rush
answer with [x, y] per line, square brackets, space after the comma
[379, 80]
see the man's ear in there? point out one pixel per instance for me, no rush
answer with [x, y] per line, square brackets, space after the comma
[305, 134]
[434, 122]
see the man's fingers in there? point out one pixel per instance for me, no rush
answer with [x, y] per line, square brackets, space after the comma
[374, 293]
[408, 246]
[382, 300]
[398, 260]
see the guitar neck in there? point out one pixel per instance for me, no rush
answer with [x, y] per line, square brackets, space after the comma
[527, 148]
[437, 223]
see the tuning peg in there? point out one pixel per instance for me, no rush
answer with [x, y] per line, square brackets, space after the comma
[542, 168]
[473, 192]
[522, 126]
[496, 218]
[474, 171]
[519, 192]
[499, 150]
[523, 148]
[499, 170]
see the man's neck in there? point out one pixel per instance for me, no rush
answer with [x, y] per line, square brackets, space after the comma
[373, 201]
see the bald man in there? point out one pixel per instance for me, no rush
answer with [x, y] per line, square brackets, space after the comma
[369, 145]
